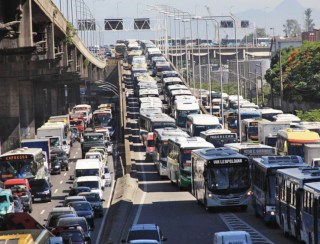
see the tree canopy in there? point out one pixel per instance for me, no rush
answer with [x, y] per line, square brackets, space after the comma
[292, 27]
[300, 72]
[308, 20]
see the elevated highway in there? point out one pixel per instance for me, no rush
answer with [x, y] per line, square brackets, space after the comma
[43, 64]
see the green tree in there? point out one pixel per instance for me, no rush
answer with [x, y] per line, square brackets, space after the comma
[292, 27]
[308, 20]
[300, 72]
[260, 32]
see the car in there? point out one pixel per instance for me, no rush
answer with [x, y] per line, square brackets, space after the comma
[71, 234]
[73, 221]
[74, 191]
[107, 176]
[18, 206]
[94, 182]
[62, 156]
[21, 188]
[66, 147]
[69, 199]
[96, 202]
[84, 209]
[55, 165]
[40, 190]
[143, 232]
[54, 214]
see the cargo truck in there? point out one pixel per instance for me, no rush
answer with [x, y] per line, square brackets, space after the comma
[43, 143]
[55, 133]
[312, 154]
[267, 131]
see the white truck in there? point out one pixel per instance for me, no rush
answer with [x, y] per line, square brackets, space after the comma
[312, 154]
[55, 132]
[267, 131]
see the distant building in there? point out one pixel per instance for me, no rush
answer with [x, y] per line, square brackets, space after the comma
[279, 42]
[311, 36]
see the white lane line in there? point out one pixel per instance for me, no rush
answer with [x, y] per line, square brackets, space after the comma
[65, 174]
[61, 182]
[55, 191]
[42, 212]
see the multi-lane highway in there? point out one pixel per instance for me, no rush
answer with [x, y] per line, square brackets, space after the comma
[181, 219]
[60, 188]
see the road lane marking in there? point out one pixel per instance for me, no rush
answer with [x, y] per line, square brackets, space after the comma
[65, 174]
[61, 182]
[42, 212]
[55, 191]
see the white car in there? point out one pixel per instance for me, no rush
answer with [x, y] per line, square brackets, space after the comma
[66, 147]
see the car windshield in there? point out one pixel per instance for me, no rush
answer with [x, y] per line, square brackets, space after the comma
[3, 199]
[40, 184]
[83, 206]
[54, 218]
[74, 236]
[143, 234]
[91, 184]
[92, 197]
[73, 222]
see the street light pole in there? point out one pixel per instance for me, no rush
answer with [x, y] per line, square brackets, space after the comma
[209, 71]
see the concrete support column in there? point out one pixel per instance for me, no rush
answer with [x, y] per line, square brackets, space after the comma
[26, 104]
[26, 36]
[74, 63]
[9, 114]
[65, 55]
[50, 41]
[53, 93]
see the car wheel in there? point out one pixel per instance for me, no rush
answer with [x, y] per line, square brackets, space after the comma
[67, 168]
[30, 209]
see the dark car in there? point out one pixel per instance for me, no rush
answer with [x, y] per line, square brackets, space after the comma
[40, 190]
[62, 156]
[69, 199]
[55, 165]
[71, 234]
[144, 232]
[74, 191]
[72, 221]
[84, 209]
[56, 213]
[96, 202]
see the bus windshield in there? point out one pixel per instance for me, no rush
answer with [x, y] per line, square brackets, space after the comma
[200, 128]
[233, 179]
[182, 116]
[86, 172]
[164, 151]
[219, 140]
[102, 119]
[185, 160]
[18, 169]
[163, 125]
[295, 149]
[253, 133]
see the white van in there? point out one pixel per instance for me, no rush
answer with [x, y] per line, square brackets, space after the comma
[232, 237]
[93, 182]
[88, 167]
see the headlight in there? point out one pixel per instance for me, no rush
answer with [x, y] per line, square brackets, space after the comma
[46, 192]
[57, 167]
[89, 216]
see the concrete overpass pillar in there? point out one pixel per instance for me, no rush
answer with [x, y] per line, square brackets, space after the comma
[26, 36]
[26, 105]
[50, 41]
[9, 114]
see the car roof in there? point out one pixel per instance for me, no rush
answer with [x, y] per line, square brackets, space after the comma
[74, 197]
[138, 227]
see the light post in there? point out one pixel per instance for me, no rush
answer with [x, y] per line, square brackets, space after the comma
[66, 98]
[118, 7]
[186, 49]
[209, 71]
[262, 92]
[199, 57]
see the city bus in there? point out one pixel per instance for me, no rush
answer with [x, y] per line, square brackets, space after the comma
[220, 178]
[244, 114]
[197, 123]
[291, 141]
[312, 126]
[161, 138]
[181, 109]
[252, 150]
[219, 137]
[150, 122]
[268, 113]
[249, 129]
[24, 162]
[310, 213]
[179, 159]
[289, 189]
[264, 183]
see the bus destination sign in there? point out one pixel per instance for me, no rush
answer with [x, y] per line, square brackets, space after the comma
[258, 151]
[228, 161]
[17, 157]
[222, 136]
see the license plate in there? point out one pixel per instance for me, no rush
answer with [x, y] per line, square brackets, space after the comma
[37, 199]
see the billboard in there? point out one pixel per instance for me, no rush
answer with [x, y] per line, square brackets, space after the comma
[142, 24]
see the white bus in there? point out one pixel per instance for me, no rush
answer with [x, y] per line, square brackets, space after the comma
[220, 178]
[150, 122]
[252, 150]
[289, 189]
[179, 159]
[169, 89]
[181, 109]
[268, 113]
[264, 183]
[219, 137]
[196, 123]
[161, 138]
[24, 162]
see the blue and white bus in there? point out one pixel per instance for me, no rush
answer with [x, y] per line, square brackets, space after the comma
[289, 188]
[310, 213]
[264, 182]
[219, 137]
[220, 178]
